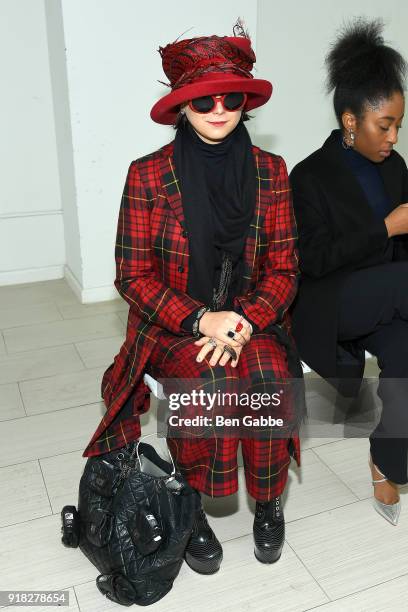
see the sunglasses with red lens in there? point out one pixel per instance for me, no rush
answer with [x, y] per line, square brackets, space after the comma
[233, 101]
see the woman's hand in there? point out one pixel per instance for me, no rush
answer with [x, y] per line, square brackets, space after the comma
[218, 324]
[397, 221]
[219, 355]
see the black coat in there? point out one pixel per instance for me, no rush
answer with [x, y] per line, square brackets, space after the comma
[338, 233]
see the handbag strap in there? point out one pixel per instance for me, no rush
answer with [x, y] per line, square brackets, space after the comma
[173, 472]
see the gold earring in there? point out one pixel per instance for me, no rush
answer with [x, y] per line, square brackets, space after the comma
[348, 141]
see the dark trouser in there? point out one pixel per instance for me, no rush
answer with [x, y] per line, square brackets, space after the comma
[373, 311]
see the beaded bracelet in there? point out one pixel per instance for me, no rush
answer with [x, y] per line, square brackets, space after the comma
[196, 323]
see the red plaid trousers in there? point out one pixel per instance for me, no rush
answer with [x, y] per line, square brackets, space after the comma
[209, 464]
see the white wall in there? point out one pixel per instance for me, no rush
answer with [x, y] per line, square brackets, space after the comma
[62, 121]
[31, 224]
[79, 78]
[113, 67]
[293, 38]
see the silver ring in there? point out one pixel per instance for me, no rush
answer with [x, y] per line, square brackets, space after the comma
[212, 342]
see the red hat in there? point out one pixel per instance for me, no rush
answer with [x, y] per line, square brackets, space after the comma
[208, 65]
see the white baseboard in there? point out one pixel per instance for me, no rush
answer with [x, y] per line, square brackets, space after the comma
[92, 295]
[73, 282]
[99, 294]
[31, 275]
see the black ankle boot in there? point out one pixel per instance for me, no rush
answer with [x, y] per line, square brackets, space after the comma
[203, 552]
[269, 530]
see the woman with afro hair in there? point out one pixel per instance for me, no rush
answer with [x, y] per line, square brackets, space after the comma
[350, 205]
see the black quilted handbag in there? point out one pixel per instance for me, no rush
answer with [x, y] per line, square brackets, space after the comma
[136, 515]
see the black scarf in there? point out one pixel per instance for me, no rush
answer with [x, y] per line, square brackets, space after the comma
[218, 187]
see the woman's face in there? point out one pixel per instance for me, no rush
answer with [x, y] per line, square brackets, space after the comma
[377, 132]
[214, 126]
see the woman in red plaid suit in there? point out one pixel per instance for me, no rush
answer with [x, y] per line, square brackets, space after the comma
[206, 259]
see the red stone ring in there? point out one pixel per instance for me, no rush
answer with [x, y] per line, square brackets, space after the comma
[239, 326]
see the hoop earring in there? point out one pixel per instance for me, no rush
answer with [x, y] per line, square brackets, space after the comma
[348, 142]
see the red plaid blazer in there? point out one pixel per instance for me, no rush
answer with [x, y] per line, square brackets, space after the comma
[152, 268]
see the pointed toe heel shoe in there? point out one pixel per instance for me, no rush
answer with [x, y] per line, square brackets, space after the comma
[390, 512]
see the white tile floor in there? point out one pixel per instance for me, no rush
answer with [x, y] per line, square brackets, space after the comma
[339, 554]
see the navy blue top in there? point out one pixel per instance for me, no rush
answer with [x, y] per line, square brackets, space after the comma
[370, 180]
